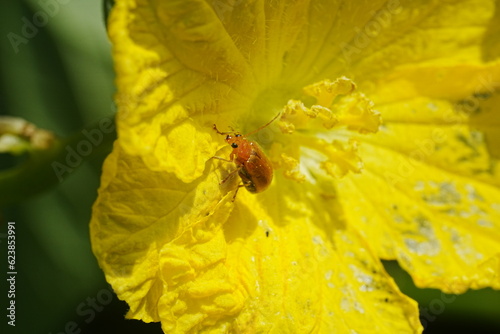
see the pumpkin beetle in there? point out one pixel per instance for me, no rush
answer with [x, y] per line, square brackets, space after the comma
[253, 166]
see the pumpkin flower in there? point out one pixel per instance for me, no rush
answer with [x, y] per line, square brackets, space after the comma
[384, 146]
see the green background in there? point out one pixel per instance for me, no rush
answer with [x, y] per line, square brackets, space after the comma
[62, 80]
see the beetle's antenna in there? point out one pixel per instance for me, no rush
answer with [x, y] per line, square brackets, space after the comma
[263, 126]
[222, 133]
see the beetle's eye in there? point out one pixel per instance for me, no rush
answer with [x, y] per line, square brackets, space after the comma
[234, 145]
[238, 135]
[228, 137]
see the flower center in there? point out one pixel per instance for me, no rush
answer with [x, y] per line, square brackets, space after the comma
[323, 134]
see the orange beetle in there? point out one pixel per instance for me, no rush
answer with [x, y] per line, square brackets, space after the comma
[253, 167]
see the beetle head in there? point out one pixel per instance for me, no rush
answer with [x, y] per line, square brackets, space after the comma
[234, 139]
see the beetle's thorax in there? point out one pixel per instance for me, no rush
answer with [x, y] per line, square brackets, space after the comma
[242, 148]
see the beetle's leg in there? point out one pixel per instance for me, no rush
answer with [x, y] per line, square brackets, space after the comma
[236, 192]
[219, 158]
[229, 175]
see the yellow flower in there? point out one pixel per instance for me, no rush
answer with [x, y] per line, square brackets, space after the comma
[384, 148]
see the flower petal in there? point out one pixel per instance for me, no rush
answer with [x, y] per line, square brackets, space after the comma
[184, 258]
[168, 86]
[137, 211]
[438, 191]
[407, 33]
[433, 165]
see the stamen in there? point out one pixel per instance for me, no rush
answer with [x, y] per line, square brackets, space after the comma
[337, 107]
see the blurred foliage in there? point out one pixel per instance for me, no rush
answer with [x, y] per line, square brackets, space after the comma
[61, 79]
